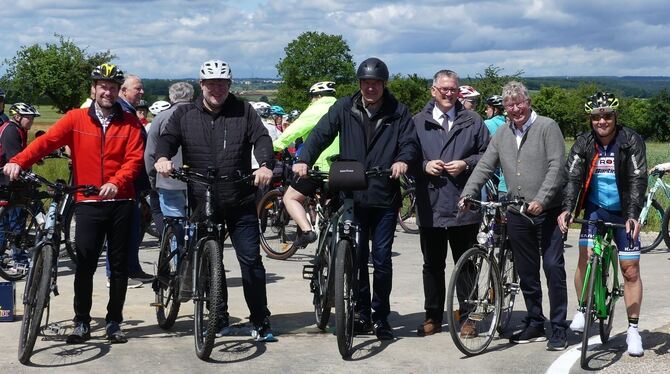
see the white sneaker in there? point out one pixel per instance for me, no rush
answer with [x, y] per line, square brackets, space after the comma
[577, 324]
[634, 342]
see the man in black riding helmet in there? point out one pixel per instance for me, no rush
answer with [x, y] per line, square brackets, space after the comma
[375, 129]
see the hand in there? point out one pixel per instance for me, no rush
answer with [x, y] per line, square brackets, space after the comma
[12, 170]
[397, 169]
[455, 167]
[108, 191]
[564, 221]
[662, 167]
[633, 226]
[163, 166]
[534, 208]
[263, 176]
[435, 167]
[300, 169]
[463, 204]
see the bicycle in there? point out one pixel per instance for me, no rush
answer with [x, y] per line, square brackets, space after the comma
[407, 212]
[43, 274]
[484, 282]
[601, 288]
[652, 212]
[200, 260]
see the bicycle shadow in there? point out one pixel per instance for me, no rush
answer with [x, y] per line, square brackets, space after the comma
[237, 281]
[602, 356]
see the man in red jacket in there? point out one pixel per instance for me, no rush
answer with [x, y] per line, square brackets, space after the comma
[106, 149]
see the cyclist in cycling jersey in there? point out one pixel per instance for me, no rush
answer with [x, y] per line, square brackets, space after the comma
[607, 177]
[322, 94]
[469, 97]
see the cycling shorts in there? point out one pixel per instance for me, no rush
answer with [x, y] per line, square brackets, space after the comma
[586, 236]
[305, 185]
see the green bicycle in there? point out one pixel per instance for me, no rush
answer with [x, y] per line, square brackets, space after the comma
[601, 288]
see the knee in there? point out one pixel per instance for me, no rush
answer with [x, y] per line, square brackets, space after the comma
[293, 195]
[631, 272]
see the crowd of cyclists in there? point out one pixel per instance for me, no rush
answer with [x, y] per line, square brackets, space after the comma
[450, 150]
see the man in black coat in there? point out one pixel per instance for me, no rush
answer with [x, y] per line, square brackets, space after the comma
[375, 130]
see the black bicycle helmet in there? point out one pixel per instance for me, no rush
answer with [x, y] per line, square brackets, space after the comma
[373, 68]
[495, 101]
[107, 72]
[601, 102]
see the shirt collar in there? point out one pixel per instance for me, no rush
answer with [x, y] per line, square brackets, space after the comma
[437, 114]
[524, 128]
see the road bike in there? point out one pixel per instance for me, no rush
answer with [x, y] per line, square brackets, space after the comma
[601, 288]
[195, 270]
[652, 214]
[484, 284]
[43, 274]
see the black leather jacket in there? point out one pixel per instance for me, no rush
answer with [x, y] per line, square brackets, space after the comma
[630, 168]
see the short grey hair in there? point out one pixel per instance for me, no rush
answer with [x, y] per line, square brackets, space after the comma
[181, 91]
[444, 73]
[514, 90]
[128, 78]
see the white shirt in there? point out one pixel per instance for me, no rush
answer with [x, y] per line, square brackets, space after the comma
[439, 115]
[520, 133]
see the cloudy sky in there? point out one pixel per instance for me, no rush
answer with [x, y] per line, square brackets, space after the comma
[171, 38]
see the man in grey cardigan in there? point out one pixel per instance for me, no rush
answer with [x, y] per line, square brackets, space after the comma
[531, 152]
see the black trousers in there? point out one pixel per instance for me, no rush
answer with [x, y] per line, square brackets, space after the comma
[532, 242]
[434, 241]
[95, 221]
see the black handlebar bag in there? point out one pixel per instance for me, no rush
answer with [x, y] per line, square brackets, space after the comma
[347, 176]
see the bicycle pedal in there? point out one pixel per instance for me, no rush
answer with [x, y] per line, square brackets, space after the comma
[156, 305]
[308, 272]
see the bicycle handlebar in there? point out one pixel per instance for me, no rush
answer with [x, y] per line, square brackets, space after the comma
[59, 185]
[602, 224]
[185, 174]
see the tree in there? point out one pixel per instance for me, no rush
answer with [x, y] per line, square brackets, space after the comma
[312, 57]
[634, 113]
[659, 114]
[413, 91]
[59, 71]
[490, 83]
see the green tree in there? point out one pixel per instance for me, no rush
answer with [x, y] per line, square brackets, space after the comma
[659, 114]
[490, 83]
[412, 90]
[634, 113]
[59, 71]
[310, 58]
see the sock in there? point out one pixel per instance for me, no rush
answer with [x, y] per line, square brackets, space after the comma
[632, 322]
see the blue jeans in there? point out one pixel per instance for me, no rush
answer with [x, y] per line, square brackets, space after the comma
[378, 225]
[173, 202]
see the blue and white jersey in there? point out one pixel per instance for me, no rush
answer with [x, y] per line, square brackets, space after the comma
[603, 190]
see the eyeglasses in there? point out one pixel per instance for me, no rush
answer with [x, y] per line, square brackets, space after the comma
[519, 105]
[605, 116]
[445, 90]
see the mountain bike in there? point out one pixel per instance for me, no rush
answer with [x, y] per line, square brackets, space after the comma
[407, 212]
[198, 274]
[43, 274]
[652, 213]
[601, 288]
[484, 284]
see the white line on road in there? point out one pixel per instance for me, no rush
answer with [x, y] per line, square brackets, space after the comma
[564, 362]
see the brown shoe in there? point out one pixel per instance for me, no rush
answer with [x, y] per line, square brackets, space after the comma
[468, 330]
[429, 327]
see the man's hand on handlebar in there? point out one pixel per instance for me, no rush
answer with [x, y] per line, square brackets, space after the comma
[564, 221]
[300, 169]
[164, 166]
[398, 169]
[263, 175]
[12, 170]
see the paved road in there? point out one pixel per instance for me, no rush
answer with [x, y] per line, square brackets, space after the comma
[303, 348]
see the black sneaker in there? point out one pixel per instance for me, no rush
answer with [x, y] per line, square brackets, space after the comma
[529, 335]
[263, 332]
[383, 330]
[81, 333]
[114, 333]
[141, 276]
[558, 341]
[305, 238]
[362, 326]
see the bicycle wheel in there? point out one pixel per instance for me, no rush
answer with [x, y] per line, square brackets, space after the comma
[208, 298]
[611, 295]
[37, 298]
[407, 212]
[16, 267]
[655, 216]
[510, 287]
[278, 230]
[344, 297]
[69, 227]
[167, 286]
[475, 289]
[665, 228]
[320, 283]
[589, 314]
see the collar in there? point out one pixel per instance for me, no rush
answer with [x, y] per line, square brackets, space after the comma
[529, 122]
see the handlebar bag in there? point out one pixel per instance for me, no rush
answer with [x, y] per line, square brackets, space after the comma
[347, 176]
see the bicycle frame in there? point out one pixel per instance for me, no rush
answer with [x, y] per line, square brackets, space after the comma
[658, 184]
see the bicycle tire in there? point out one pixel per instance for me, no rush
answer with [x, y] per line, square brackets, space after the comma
[656, 210]
[510, 287]
[278, 230]
[321, 269]
[665, 228]
[29, 236]
[344, 297]
[208, 296]
[407, 212]
[611, 289]
[167, 287]
[589, 314]
[38, 286]
[487, 306]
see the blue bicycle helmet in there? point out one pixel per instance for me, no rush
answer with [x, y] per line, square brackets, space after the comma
[277, 110]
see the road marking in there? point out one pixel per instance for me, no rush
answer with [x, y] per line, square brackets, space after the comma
[564, 362]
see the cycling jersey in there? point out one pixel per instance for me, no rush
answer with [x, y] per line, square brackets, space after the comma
[603, 191]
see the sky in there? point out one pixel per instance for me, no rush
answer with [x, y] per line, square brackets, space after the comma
[171, 38]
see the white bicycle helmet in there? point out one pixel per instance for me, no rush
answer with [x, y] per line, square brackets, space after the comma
[322, 87]
[215, 69]
[468, 92]
[263, 109]
[23, 109]
[159, 106]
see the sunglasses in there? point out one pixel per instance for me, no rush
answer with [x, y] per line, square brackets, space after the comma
[605, 116]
